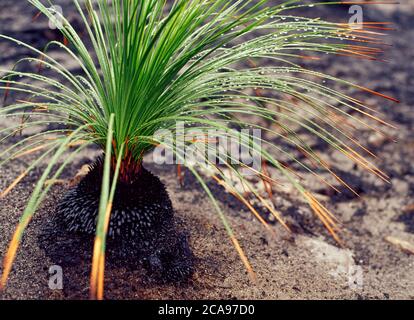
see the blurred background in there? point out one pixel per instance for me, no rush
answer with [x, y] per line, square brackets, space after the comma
[379, 225]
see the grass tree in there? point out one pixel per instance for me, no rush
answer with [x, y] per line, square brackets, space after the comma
[148, 64]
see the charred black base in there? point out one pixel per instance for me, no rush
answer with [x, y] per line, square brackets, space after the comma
[140, 208]
[142, 226]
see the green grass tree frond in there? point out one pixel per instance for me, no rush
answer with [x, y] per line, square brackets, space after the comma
[148, 64]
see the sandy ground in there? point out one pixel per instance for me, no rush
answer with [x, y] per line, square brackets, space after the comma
[305, 265]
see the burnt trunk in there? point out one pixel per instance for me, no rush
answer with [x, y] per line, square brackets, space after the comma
[142, 220]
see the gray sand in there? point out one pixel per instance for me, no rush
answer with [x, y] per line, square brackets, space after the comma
[305, 265]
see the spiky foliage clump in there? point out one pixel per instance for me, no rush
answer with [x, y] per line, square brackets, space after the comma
[153, 63]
